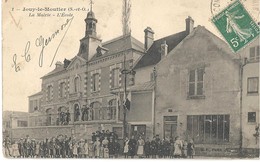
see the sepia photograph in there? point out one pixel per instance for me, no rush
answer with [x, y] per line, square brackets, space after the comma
[130, 79]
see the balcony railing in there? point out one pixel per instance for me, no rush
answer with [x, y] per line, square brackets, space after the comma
[103, 114]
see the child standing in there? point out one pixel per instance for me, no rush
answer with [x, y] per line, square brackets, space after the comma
[184, 149]
[15, 151]
[101, 154]
[91, 149]
[75, 149]
[106, 152]
[191, 149]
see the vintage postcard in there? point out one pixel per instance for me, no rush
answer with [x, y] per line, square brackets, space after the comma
[151, 79]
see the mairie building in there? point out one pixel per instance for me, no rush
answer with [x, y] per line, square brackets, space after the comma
[188, 84]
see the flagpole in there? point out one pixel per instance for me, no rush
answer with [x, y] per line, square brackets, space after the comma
[125, 72]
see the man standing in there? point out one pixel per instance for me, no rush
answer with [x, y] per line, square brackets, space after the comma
[20, 147]
[147, 148]
[132, 146]
[7, 145]
[117, 148]
[153, 148]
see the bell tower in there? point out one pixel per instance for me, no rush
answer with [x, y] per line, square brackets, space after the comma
[90, 42]
[91, 22]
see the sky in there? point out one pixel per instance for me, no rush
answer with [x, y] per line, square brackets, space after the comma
[19, 27]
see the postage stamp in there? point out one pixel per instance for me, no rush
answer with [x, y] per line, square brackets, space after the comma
[236, 25]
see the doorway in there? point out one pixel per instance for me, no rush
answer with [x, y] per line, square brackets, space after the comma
[170, 126]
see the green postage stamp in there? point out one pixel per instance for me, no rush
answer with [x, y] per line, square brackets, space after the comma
[236, 25]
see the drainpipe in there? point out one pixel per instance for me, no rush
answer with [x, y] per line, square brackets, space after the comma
[154, 98]
[244, 62]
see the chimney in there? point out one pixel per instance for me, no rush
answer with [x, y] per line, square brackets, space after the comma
[164, 49]
[148, 38]
[58, 64]
[189, 24]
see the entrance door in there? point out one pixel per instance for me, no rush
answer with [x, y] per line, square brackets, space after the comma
[170, 126]
[138, 130]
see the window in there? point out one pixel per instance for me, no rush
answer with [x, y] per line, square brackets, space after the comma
[49, 93]
[49, 117]
[115, 78]
[254, 54]
[111, 112]
[196, 78]
[76, 84]
[76, 112]
[21, 123]
[208, 128]
[8, 124]
[97, 111]
[95, 82]
[62, 89]
[252, 85]
[251, 117]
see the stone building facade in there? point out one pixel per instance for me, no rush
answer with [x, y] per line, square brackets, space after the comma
[198, 94]
[89, 86]
[250, 98]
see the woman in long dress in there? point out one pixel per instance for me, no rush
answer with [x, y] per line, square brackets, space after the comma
[177, 148]
[97, 148]
[140, 147]
[86, 148]
[126, 147]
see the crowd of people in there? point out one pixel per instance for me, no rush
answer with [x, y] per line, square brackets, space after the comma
[101, 145]
[158, 148]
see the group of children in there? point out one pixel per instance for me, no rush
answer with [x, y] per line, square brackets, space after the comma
[99, 146]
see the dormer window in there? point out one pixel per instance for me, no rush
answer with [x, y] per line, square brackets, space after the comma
[99, 53]
[82, 48]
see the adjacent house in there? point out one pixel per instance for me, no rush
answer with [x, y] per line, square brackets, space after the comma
[198, 94]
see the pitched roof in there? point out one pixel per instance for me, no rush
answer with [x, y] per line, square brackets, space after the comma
[61, 67]
[54, 71]
[120, 44]
[219, 43]
[36, 94]
[143, 87]
[153, 55]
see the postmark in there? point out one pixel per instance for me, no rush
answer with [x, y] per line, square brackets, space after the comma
[236, 25]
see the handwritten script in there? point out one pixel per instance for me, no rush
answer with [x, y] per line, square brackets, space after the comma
[42, 43]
